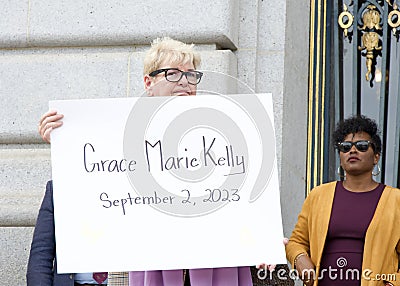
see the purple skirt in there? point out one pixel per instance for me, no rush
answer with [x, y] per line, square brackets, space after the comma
[230, 276]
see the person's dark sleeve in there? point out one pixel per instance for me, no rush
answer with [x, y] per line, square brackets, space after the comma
[41, 258]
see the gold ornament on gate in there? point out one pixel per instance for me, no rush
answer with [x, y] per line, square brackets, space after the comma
[370, 42]
[350, 20]
[371, 19]
[394, 14]
[370, 39]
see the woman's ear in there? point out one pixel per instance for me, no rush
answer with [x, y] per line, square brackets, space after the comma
[377, 156]
[148, 83]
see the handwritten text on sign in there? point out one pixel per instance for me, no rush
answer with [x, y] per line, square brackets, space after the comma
[147, 179]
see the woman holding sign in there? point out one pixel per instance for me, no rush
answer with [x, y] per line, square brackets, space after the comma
[348, 232]
[169, 69]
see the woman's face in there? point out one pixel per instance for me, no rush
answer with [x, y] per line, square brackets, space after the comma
[356, 162]
[159, 86]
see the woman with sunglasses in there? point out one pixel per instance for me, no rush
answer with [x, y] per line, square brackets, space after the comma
[348, 232]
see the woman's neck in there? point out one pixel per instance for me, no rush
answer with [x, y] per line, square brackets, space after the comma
[359, 183]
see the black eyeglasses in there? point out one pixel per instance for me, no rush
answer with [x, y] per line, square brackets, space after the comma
[361, 145]
[175, 75]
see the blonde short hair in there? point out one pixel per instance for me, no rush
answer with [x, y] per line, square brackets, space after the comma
[173, 51]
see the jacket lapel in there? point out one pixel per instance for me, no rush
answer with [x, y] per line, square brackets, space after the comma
[324, 215]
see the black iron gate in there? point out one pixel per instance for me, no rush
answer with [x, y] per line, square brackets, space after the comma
[354, 69]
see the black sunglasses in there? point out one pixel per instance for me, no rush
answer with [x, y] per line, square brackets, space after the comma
[361, 145]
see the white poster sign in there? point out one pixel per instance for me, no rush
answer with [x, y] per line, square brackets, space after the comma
[152, 183]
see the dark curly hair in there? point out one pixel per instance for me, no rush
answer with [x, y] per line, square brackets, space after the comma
[358, 123]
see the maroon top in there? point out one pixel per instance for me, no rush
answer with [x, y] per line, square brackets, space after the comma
[351, 215]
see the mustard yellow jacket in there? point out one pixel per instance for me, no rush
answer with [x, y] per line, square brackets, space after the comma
[382, 240]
